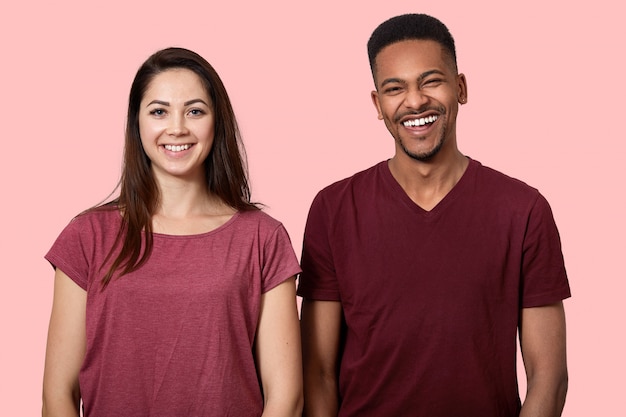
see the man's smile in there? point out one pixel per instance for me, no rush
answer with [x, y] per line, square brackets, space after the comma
[421, 121]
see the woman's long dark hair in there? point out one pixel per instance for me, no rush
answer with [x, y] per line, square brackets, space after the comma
[224, 168]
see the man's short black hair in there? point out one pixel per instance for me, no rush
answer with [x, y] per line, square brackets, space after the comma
[408, 27]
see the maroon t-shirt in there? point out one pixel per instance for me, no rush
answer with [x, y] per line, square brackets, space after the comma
[175, 337]
[431, 299]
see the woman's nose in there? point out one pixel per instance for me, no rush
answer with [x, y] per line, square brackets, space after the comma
[177, 126]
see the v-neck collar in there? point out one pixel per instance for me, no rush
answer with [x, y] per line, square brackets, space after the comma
[399, 192]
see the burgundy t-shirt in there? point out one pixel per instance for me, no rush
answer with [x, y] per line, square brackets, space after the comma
[175, 337]
[431, 299]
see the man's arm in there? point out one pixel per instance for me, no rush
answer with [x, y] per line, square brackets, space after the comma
[542, 339]
[321, 334]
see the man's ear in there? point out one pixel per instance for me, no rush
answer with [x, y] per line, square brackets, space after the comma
[377, 104]
[462, 86]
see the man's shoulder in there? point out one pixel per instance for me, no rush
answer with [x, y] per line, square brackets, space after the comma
[355, 182]
[491, 179]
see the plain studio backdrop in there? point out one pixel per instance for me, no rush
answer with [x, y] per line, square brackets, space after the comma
[546, 88]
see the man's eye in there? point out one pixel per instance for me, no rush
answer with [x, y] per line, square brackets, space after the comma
[433, 81]
[392, 90]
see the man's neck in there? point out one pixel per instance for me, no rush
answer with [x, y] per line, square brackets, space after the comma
[428, 182]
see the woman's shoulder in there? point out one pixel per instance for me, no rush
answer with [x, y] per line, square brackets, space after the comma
[91, 232]
[102, 218]
[258, 219]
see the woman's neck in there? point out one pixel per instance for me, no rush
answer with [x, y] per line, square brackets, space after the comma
[188, 208]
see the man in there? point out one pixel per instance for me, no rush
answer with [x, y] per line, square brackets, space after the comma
[419, 272]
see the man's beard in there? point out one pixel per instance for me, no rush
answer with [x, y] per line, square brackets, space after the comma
[428, 155]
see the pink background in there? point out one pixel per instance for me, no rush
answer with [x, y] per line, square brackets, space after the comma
[546, 88]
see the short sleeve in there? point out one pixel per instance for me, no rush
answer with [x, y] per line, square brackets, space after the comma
[544, 279]
[69, 253]
[280, 262]
[318, 280]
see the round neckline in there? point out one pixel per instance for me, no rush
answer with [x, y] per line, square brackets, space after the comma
[218, 229]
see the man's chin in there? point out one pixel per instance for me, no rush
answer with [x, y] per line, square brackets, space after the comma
[423, 156]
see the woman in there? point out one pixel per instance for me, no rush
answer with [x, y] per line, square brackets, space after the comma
[178, 298]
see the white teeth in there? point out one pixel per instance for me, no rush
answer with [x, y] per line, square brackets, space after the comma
[420, 122]
[177, 148]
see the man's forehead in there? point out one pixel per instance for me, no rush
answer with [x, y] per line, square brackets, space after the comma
[414, 53]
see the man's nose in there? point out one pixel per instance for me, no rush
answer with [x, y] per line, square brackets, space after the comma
[415, 98]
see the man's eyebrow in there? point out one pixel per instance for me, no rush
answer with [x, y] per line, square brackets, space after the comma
[421, 77]
[392, 80]
[429, 73]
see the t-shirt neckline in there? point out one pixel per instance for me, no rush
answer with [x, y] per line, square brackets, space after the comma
[457, 190]
[218, 229]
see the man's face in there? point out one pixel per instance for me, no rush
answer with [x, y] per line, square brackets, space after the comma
[417, 95]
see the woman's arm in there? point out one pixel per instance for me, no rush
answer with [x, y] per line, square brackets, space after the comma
[65, 350]
[278, 354]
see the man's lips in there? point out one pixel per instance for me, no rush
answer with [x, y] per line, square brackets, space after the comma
[420, 121]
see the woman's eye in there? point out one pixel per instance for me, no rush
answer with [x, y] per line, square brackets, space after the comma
[196, 112]
[157, 112]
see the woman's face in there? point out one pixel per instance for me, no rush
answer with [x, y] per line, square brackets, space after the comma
[176, 125]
